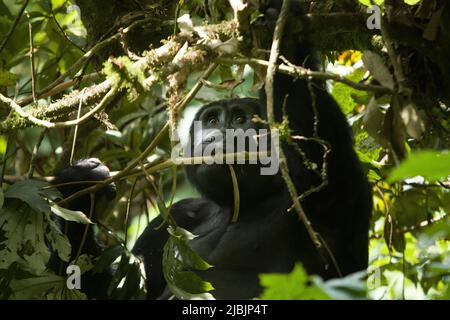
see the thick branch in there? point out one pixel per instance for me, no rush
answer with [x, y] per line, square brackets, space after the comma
[47, 124]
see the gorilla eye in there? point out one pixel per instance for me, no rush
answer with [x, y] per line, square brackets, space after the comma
[212, 119]
[239, 119]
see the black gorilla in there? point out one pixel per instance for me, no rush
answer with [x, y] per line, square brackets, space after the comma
[265, 238]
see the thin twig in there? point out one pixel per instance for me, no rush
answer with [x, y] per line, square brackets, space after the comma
[33, 70]
[127, 213]
[84, 236]
[304, 73]
[323, 172]
[14, 25]
[75, 133]
[67, 84]
[164, 211]
[35, 153]
[64, 33]
[314, 108]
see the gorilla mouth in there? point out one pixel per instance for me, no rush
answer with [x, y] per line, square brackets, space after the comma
[209, 139]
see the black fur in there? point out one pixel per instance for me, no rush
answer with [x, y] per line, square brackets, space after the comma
[95, 285]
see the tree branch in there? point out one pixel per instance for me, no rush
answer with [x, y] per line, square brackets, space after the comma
[303, 73]
[47, 124]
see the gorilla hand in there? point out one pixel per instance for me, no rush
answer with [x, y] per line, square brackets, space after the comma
[85, 171]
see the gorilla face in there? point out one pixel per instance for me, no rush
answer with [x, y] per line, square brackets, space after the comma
[218, 121]
[228, 127]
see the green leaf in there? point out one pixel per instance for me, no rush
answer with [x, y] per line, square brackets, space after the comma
[37, 287]
[7, 78]
[431, 165]
[369, 2]
[412, 2]
[292, 286]
[58, 241]
[343, 94]
[352, 286]
[375, 64]
[412, 206]
[70, 215]
[191, 259]
[27, 235]
[190, 282]
[6, 275]
[63, 293]
[24, 238]
[32, 192]
[179, 262]
[84, 262]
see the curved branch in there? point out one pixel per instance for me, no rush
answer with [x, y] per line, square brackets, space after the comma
[47, 124]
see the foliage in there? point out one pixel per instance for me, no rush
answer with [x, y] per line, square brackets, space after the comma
[182, 281]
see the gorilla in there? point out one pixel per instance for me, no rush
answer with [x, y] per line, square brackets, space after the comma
[267, 237]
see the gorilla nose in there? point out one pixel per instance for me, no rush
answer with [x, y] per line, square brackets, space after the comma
[214, 136]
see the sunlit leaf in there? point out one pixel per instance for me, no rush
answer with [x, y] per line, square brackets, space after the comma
[291, 286]
[432, 165]
[70, 215]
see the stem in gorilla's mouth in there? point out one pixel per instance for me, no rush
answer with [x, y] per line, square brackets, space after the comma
[236, 196]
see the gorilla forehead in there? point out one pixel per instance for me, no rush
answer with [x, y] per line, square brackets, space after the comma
[252, 103]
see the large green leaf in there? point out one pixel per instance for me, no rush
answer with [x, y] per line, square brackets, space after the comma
[33, 193]
[344, 94]
[26, 237]
[291, 286]
[179, 264]
[432, 165]
[47, 286]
